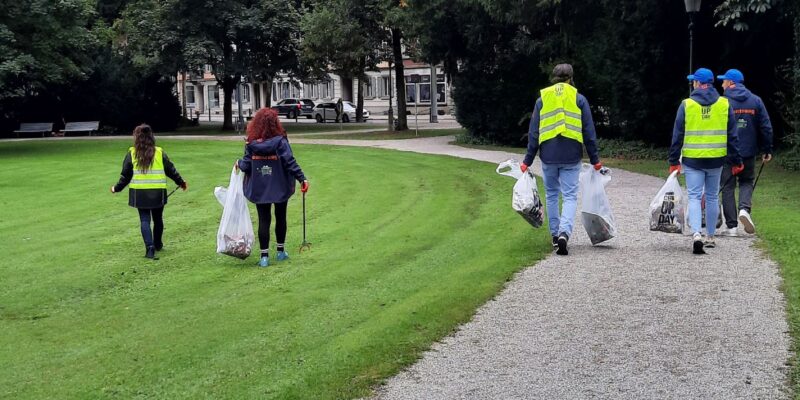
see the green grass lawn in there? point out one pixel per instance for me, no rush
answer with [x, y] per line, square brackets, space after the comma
[390, 135]
[291, 127]
[777, 218]
[400, 257]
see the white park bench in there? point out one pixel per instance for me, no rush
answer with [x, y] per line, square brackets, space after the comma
[85, 126]
[35, 127]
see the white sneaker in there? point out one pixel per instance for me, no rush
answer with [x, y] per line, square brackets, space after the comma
[709, 242]
[746, 222]
[731, 232]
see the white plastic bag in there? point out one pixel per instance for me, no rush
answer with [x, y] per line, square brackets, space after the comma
[525, 199]
[220, 192]
[235, 236]
[598, 220]
[668, 208]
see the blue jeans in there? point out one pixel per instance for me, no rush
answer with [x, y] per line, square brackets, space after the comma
[699, 181]
[563, 179]
[156, 215]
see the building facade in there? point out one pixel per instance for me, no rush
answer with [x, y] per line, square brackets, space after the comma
[204, 97]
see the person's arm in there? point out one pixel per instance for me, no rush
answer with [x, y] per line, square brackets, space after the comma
[126, 175]
[678, 131]
[287, 158]
[172, 172]
[764, 129]
[246, 163]
[589, 134]
[533, 134]
[733, 138]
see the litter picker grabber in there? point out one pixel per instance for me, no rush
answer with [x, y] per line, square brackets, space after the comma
[763, 163]
[305, 245]
[173, 191]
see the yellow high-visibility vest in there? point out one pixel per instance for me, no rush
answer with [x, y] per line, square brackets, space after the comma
[706, 129]
[152, 178]
[560, 114]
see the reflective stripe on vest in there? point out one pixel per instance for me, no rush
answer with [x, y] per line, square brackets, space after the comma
[706, 129]
[152, 178]
[560, 114]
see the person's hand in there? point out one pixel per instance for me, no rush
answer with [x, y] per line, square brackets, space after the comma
[737, 169]
[304, 186]
[112, 189]
[767, 158]
[236, 165]
[673, 168]
[184, 186]
[523, 167]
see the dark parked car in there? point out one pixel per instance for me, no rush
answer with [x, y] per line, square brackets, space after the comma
[294, 108]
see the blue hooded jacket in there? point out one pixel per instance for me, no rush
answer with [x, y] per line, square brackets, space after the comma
[705, 97]
[753, 125]
[270, 171]
[561, 150]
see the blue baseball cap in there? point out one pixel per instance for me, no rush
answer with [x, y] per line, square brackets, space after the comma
[732, 75]
[702, 75]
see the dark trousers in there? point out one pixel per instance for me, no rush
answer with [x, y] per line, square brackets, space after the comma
[265, 219]
[745, 179]
[152, 237]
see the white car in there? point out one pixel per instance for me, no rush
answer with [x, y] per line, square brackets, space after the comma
[327, 112]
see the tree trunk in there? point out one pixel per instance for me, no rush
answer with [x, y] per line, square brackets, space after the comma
[400, 83]
[360, 99]
[228, 85]
[268, 91]
[183, 93]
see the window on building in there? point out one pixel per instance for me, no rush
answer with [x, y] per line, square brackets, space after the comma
[385, 87]
[213, 92]
[285, 90]
[245, 93]
[369, 88]
[425, 92]
[440, 93]
[411, 93]
[189, 90]
[274, 92]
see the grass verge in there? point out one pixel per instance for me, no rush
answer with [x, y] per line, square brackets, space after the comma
[775, 211]
[400, 258]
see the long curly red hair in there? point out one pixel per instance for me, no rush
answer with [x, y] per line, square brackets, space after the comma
[265, 125]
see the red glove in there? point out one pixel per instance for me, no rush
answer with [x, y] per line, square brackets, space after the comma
[523, 167]
[737, 169]
[598, 166]
[304, 186]
[673, 168]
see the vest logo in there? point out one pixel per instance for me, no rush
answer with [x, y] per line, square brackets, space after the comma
[559, 90]
[266, 170]
[706, 112]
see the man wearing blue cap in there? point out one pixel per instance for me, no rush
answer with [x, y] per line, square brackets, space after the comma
[755, 135]
[704, 135]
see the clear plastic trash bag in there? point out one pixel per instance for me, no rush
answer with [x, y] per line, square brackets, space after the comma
[525, 199]
[235, 236]
[668, 208]
[598, 220]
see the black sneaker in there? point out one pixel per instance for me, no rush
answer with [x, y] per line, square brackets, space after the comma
[150, 253]
[562, 244]
[697, 244]
[555, 242]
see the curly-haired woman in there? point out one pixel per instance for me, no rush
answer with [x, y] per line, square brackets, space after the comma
[270, 171]
[146, 167]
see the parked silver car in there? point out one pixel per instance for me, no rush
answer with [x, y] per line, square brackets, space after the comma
[327, 112]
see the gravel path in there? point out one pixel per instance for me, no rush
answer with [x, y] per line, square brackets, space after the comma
[639, 318]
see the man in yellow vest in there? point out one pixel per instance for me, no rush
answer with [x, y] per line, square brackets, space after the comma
[561, 126]
[704, 135]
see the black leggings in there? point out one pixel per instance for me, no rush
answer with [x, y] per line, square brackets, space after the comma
[152, 238]
[265, 219]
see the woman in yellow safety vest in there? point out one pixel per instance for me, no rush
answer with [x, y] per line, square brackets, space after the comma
[146, 168]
